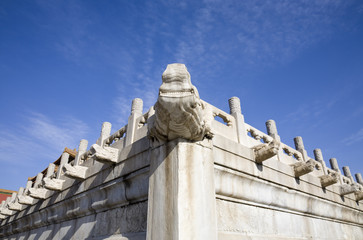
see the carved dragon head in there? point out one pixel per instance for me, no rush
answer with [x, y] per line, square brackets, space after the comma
[179, 112]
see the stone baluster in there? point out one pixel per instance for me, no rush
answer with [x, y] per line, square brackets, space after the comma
[64, 160]
[334, 165]
[54, 183]
[345, 189]
[105, 133]
[272, 130]
[24, 198]
[136, 111]
[328, 178]
[82, 148]
[5, 209]
[359, 194]
[14, 204]
[299, 146]
[347, 173]
[359, 178]
[235, 111]
[37, 191]
[307, 165]
[77, 171]
[100, 150]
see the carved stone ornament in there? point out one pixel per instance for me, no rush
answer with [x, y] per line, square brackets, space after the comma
[27, 200]
[106, 154]
[266, 151]
[346, 189]
[75, 171]
[39, 193]
[302, 168]
[179, 112]
[53, 183]
[329, 179]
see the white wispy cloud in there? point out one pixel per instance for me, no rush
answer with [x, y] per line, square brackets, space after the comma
[354, 138]
[259, 33]
[39, 140]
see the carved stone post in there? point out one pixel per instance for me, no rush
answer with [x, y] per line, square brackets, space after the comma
[335, 167]
[347, 173]
[272, 130]
[37, 191]
[24, 198]
[328, 178]
[136, 111]
[235, 111]
[181, 192]
[105, 133]
[77, 171]
[15, 205]
[334, 164]
[55, 183]
[299, 145]
[359, 178]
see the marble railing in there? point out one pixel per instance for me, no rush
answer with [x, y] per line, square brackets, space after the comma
[107, 148]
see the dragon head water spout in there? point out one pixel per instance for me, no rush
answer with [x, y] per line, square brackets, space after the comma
[179, 112]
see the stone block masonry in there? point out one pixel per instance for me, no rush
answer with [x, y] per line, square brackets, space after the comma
[175, 172]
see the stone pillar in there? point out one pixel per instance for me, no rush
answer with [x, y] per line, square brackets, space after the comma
[334, 164]
[347, 173]
[50, 170]
[136, 111]
[318, 155]
[82, 148]
[359, 178]
[63, 161]
[335, 167]
[272, 130]
[235, 111]
[105, 133]
[299, 145]
[181, 202]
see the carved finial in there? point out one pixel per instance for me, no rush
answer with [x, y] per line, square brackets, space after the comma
[29, 184]
[63, 161]
[334, 164]
[137, 106]
[346, 171]
[20, 191]
[50, 170]
[105, 133]
[38, 180]
[234, 105]
[299, 144]
[272, 129]
[82, 148]
[359, 178]
[318, 155]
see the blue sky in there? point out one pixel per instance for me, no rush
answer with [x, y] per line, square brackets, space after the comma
[68, 66]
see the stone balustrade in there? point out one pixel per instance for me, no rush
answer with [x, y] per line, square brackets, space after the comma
[120, 175]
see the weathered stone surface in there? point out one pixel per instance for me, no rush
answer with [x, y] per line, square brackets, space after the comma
[266, 151]
[53, 183]
[75, 171]
[302, 168]
[329, 179]
[348, 189]
[108, 154]
[187, 185]
[179, 112]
